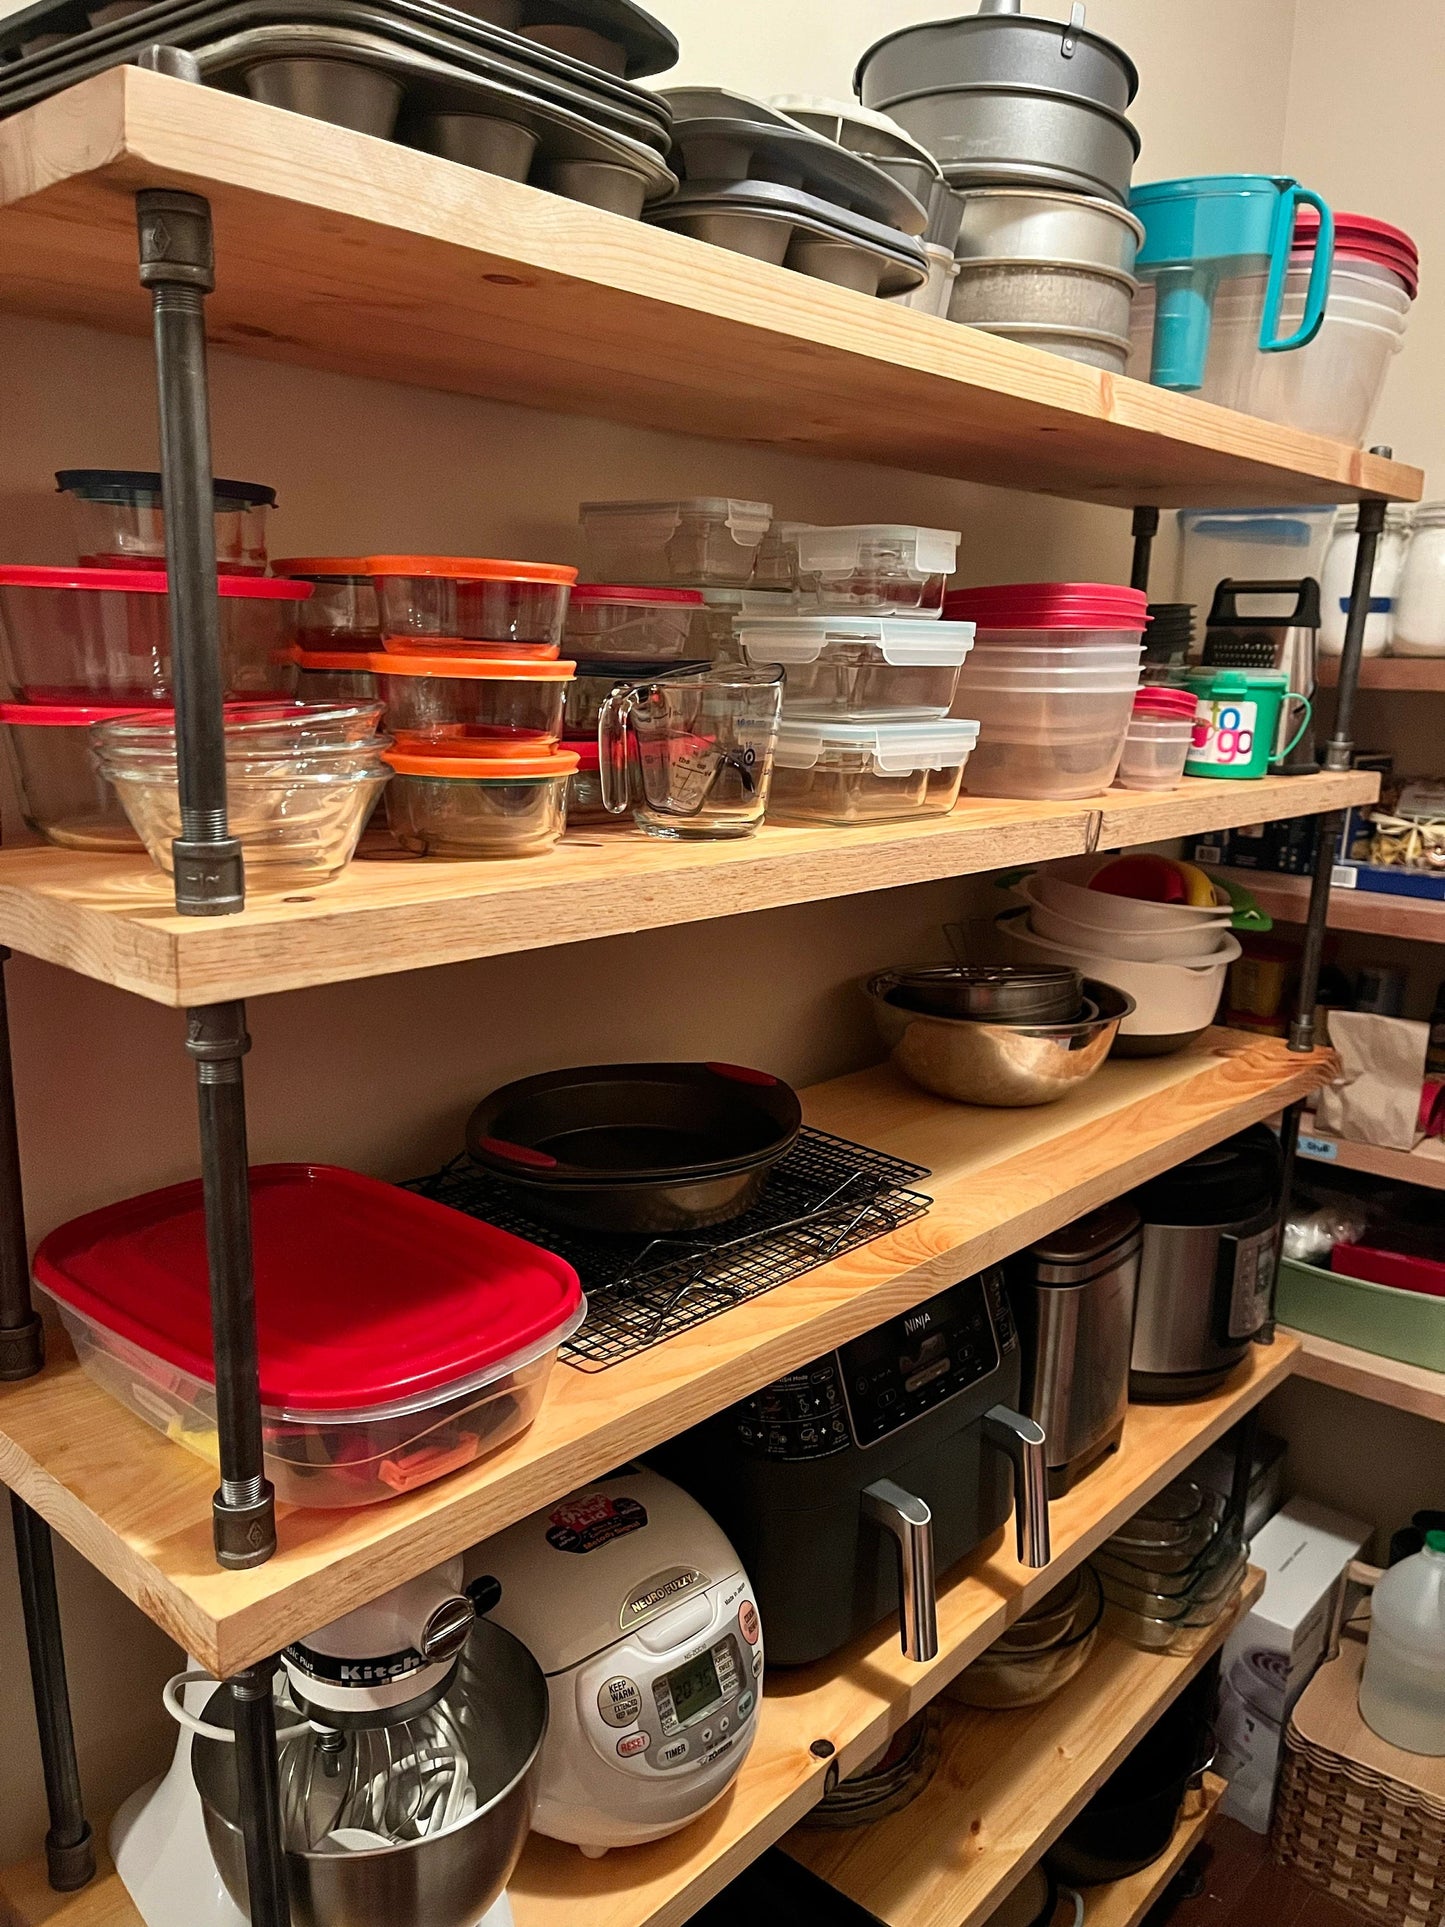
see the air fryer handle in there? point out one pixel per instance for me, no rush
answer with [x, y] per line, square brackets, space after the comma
[909, 1523]
[1022, 1441]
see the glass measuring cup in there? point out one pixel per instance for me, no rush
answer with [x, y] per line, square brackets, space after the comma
[691, 753]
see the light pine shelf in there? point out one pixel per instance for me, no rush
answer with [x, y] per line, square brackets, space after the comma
[1007, 1786]
[113, 917]
[1420, 1166]
[138, 1506]
[857, 1699]
[1387, 1381]
[28, 1900]
[336, 250]
[1419, 674]
[1125, 1903]
[1287, 900]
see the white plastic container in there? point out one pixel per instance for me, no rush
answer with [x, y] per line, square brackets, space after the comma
[1338, 574]
[1419, 626]
[1402, 1692]
[859, 666]
[701, 541]
[873, 568]
[827, 771]
[1173, 1001]
[1252, 545]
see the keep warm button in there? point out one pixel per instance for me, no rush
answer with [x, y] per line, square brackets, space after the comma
[632, 1743]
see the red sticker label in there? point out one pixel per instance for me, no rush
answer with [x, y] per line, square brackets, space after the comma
[585, 1524]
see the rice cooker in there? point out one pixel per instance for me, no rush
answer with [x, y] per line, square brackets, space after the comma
[638, 1611]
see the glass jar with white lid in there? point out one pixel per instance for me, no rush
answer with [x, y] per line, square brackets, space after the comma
[1419, 627]
[1338, 575]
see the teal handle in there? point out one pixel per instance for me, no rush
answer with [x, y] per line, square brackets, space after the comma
[1319, 284]
[1295, 697]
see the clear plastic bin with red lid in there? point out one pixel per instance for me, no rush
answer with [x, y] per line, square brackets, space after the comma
[62, 793]
[398, 1339]
[118, 519]
[103, 635]
[480, 705]
[432, 602]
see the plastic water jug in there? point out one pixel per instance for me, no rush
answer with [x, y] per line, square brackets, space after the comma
[1208, 229]
[1402, 1693]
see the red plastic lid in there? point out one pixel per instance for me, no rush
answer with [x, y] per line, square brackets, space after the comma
[1368, 240]
[1157, 700]
[589, 756]
[1049, 605]
[617, 592]
[258, 588]
[64, 715]
[366, 1295]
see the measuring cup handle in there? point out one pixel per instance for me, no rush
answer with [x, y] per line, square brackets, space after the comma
[1291, 199]
[613, 734]
[1293, 744]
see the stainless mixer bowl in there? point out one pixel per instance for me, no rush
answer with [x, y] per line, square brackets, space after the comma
[449, 1880]
[1005, 1065]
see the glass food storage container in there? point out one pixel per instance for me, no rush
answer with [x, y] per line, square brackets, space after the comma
[62, 793]
[300, 784]
[876, 568]
[398, 1340]
[859, 666]
[487, 705]
[431, 602]
[594, 682]
[343, 612]
[699, 542]
[103, 636]
[1161, 727]
[456, 805]
[586, 808]
[339, 676]
[827, 771]
[118, 520]
[607, 622]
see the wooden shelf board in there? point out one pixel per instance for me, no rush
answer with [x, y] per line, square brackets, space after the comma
[1124, 1903]
[28, 1900]
[113, 918]
[138, 1507]
[1007, 1786]
[340, 251]
[1387, 1381]
[1287, 900]
[1420, 1166]
[1420, 674]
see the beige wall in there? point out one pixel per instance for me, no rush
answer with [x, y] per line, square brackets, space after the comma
[381, 1075]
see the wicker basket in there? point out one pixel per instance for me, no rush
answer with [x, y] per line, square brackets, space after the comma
[1357, 1817]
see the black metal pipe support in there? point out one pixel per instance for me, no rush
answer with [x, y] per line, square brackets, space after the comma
[1145, 528]
[1340, 750]
[177, 265]
[253, 1710]
[243, 1512]
[69, 1847]
[22, 1336]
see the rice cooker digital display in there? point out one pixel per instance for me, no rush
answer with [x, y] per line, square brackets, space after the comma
[695, 1689]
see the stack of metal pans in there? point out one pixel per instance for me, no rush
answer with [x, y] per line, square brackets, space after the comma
[759, 183]
[1025, 116]
[448, 79]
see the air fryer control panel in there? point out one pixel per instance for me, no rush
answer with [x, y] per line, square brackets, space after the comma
[886, 1379]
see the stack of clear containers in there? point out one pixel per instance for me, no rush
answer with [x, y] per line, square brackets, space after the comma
[860, 568]
[1172, 1568]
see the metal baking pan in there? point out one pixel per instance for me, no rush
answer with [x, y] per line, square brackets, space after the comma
[788, 228]
[650, 47]
[742, 150]
[721, 103]
[777, 199]
[997, 46]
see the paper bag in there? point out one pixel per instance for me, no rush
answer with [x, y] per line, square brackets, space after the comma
[1376, 1097]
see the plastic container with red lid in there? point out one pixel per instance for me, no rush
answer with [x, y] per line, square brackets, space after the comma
[456, 805]
[1085, 606]
[1156, 743]
[343, 612]
[482, 705]
[1360, 237]
[398, 1339]
[610, 622]
[62, 793]
[447, 601]
[102, 635]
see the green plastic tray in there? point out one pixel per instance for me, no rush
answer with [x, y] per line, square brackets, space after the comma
[1407, 1325]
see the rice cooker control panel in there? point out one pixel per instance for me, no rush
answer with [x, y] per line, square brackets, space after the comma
[681, 1691]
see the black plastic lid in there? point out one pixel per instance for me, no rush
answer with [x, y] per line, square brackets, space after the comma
[120, 484]
[1227, 1184]
[650, 670]
[1088, 1238]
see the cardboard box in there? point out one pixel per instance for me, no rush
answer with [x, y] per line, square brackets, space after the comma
[1269, 1658]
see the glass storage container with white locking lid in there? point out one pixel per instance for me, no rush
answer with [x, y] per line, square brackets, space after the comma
[827, 771]
[859, 666]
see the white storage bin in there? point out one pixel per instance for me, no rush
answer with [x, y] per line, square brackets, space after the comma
[698, 541]
[859, 666]
[826, 771]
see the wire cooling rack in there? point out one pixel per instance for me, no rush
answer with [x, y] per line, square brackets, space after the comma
[827, 1196]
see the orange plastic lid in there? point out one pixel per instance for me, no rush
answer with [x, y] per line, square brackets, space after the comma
[470, 668]
[499, 769]
[322, 565]
[464, 648]
[469, 568]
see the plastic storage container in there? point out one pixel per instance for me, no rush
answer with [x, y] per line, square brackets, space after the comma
[606, 622]
[454, 805]
[594, 682]
[300, 784]
[702, 541]
[343, 612]
[828, 771]
[487, 705]
[62, 793]
[118, 520]
[398, 1340]
[102, 635]
[1338, 574]
[1419, 621]
[859, 665]
[1161, 728]
[1247, 545]
[1237, 723]
[872, 568]
[1374, 1318]
[1402, 1690]
[429, 602]
[585, 807]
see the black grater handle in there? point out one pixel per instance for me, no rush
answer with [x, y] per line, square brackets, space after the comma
[1305, 614]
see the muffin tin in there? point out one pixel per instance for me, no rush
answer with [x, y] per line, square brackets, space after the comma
[789, 227]
[722, 148]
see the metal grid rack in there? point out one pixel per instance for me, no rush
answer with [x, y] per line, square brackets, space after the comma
[827, 1196]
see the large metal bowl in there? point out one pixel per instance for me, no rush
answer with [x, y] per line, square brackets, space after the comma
[1003, 1065]
[448, 1881]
